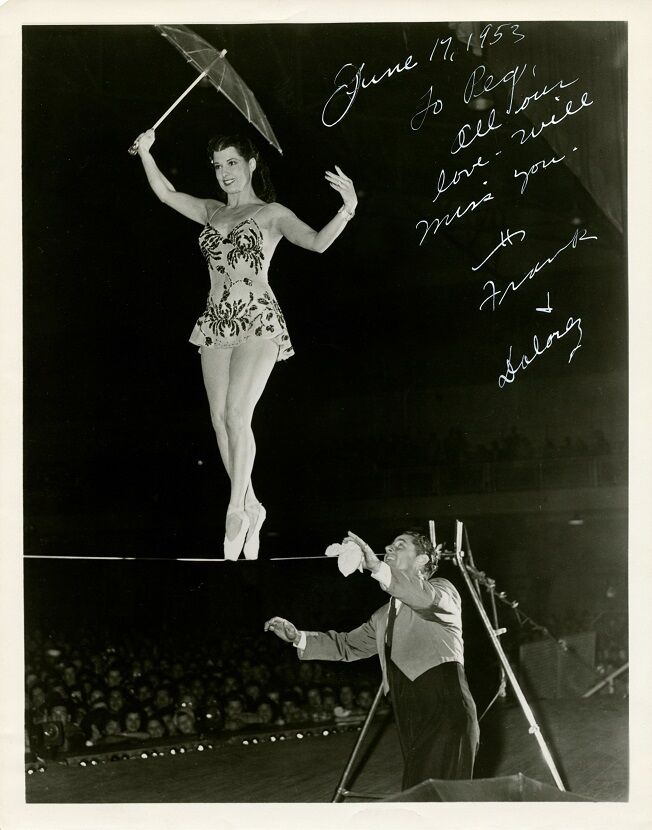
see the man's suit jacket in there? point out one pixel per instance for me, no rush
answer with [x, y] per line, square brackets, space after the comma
[427, 630]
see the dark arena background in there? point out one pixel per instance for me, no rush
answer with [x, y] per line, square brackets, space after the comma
[423, 387]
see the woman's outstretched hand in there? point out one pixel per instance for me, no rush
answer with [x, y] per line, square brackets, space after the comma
[145, 141]
[282, 628]
[369, 559]
[342, 183]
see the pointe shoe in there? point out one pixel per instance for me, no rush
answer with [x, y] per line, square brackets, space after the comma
[252, 542]
[233, 547]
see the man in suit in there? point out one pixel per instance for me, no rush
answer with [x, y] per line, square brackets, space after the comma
[418, 638]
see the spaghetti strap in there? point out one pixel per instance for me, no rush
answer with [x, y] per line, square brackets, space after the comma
[210, 218]
[253, 215]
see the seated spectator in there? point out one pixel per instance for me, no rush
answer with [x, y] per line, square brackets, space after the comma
[267, 712]
[210, 719]
[235, 716]
[156, 728]
[252, 695]
[112, 732]
[364, 699]
[346, 697]
[328, 701]
[116, 701]
[291, 711]
[184, 721]
[74, 738]
[133, 724]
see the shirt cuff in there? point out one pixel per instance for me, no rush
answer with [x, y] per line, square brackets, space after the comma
[383, 574]
[302, 641]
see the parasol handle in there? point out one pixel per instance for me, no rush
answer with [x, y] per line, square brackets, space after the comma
[134, 147]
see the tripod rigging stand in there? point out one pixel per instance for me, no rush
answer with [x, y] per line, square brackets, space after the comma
[473, 579]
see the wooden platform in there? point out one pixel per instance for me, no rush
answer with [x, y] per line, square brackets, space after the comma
[588, 739]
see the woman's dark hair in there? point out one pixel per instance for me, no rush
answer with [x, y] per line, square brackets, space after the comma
[424, 545]
[261, 181]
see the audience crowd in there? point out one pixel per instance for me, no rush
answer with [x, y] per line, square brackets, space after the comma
[101, 696]
[87, 694]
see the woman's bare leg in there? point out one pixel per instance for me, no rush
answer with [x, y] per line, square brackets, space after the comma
[215, 364]
[250, 367]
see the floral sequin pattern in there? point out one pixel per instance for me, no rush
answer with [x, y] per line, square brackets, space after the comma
[247, 246]
[241, 303]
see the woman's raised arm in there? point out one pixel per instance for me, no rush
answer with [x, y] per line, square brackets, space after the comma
[189, 206]
[297, 232]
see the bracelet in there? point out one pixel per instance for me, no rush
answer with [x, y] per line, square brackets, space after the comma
[348, 214]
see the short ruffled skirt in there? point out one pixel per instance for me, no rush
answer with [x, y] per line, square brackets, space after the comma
[229, 322]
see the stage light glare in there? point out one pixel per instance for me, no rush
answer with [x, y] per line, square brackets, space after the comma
[200, 747]
[273, 738]
[94, 762]
[282, 738]
[325, 732]
[245, 743]
[83, 763]
[255, 741]
[173, 752]
[30, 771]
[299, 735]
[41, 769]
[481, 104]
[144, 755]
[182, 749]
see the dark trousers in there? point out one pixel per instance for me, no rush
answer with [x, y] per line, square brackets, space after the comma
[436, 721]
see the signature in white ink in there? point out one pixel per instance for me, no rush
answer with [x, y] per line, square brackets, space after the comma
[541, 92]
[505, 239]
[435, 107]
[542, 164]
[443, 185]
[477, 84]
[350, 80]
[535, 131]
[464, 140]
[449, 218]
[511, 370]
[514, 286]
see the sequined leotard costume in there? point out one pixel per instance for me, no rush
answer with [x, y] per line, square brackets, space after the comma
[240, 303]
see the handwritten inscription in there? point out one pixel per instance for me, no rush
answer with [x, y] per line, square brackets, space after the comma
[535, 168]
[502, 101]
[554, 120]
[539, 348]
[506, 238]
[458, 175]
[432, 107]
[539, 266]
[434, 224]
[349, 81]
[466, 136]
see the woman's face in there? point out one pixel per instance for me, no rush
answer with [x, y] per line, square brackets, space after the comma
[233, 173]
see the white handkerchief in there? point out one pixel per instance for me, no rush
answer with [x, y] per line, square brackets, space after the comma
[349, 557]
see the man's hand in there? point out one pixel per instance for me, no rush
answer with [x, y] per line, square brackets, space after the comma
[369, 559]
[283, 629]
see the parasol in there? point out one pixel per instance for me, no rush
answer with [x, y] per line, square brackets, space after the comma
[212, 65]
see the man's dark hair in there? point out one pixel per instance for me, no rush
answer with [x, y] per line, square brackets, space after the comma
[424, 545]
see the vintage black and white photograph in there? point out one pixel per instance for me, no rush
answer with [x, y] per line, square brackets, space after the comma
[325, 411]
